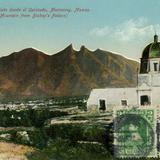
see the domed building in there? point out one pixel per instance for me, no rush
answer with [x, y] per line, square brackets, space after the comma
[150, 55]
[147, 91]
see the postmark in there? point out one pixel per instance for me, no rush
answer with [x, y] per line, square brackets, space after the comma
[135, 133]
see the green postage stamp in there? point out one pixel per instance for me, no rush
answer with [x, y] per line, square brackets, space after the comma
[135, 133]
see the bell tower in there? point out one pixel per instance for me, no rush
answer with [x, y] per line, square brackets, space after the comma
[149, 76]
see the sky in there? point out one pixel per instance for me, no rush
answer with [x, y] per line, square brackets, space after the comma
[120, 26]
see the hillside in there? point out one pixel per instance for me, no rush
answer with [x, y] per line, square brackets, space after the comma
[31, 73]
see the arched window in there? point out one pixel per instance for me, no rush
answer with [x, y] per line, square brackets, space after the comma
[102, 104]
[145, 100]
[155, 66]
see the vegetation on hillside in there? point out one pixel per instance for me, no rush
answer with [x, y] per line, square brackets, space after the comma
[62, 141]
[61, 149]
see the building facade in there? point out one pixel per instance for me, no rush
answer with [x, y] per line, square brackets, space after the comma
[147, 91]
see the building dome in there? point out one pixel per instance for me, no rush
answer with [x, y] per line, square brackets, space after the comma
[150, 51]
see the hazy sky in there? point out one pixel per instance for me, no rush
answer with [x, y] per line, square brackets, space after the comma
[121, 26]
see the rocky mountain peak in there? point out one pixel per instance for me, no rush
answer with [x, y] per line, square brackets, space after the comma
[83, 49]
[32, 73]
[69, 49]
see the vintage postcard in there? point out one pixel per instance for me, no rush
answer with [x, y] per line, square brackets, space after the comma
[79, 79]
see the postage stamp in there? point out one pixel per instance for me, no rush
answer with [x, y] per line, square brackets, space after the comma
[135, 133]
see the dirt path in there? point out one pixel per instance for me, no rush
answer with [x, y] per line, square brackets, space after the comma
[10, 151]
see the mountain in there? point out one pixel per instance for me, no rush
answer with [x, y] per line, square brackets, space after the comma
[32, 73]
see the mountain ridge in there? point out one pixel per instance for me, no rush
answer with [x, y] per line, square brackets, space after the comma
[31, 73]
